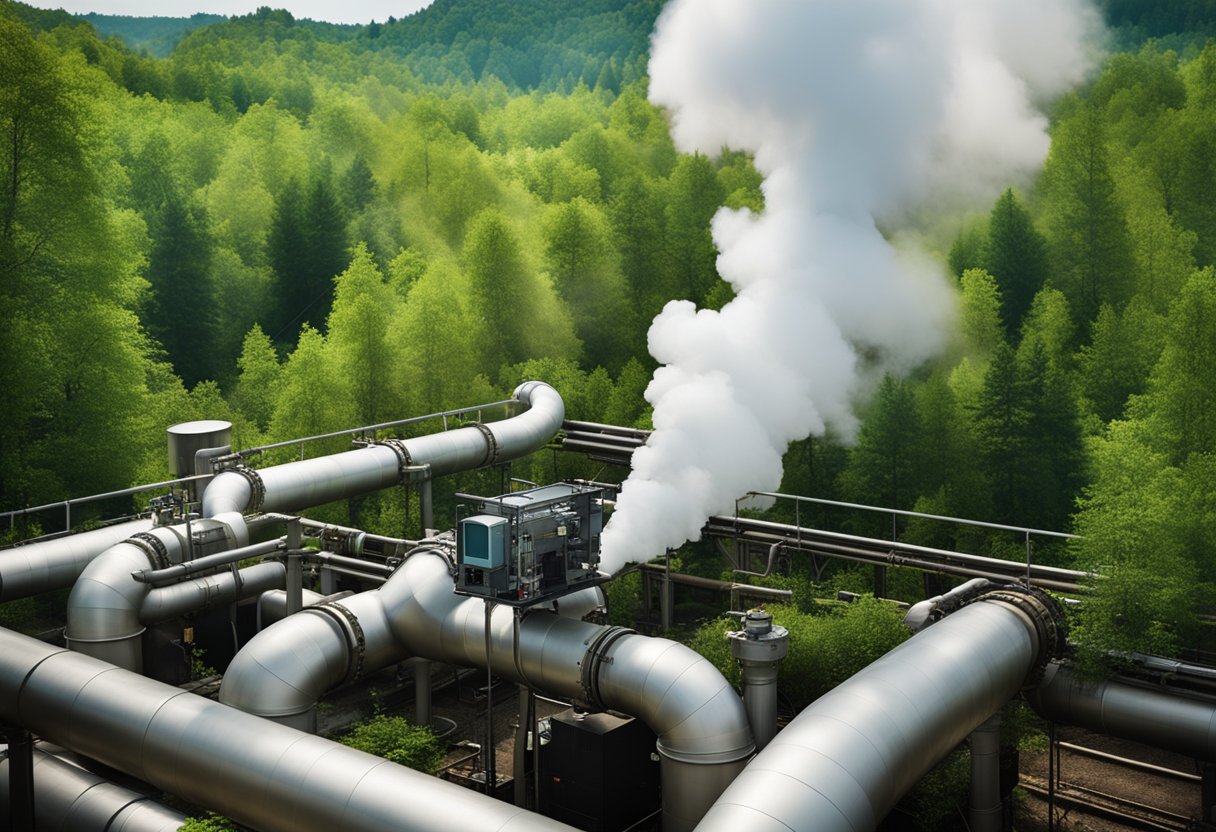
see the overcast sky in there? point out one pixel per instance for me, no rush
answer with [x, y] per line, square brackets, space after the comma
[346, 11]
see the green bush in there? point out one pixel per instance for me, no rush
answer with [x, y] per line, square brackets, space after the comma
[624, 594]
[825, 649]
[398, 740]
[210, 822]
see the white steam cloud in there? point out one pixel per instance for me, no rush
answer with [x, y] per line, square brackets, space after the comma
[860, 113]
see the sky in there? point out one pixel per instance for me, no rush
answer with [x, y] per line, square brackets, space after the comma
[347, 11]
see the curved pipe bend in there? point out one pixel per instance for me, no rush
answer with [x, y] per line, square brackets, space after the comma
[700, 721]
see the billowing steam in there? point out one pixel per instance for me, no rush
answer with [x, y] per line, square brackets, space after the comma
[861, 114]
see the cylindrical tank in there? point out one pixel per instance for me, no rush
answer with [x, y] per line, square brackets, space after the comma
[188, 438]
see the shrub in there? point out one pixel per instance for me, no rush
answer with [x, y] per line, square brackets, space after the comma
[398, 740]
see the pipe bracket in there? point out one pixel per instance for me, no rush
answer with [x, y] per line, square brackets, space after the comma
[257, 489]
[595, 657]
[403, 456]
[153, 547]
[491, 444]
[350, 625]
[1045, 615]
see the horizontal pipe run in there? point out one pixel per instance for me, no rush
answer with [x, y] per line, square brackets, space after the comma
[848, 758]
[884, 552]
[67, 797]
[682, 578]
[46, 565]
[1130, 763]
[355, 564]
[166, 602]
[261, 774]
[1174, 720]
[187, 569]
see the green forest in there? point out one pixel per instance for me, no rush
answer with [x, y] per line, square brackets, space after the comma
[302, 227]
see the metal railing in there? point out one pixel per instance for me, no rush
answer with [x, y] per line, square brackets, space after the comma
[895, 513]
[66, 505]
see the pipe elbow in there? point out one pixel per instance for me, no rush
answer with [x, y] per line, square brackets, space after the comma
[698, 716]
[284, 669]
[105, 601]
[228, 492]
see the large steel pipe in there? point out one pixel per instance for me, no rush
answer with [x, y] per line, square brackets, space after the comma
[268, 776]
[46, 565]
[700, 721]
[1172, 720]
[68, 797]
[312, 482]
[846, 760]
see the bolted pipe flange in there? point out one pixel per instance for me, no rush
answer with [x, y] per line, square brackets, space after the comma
[1045, 617]
[760, 640]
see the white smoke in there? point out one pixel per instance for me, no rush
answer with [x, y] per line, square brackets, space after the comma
[860, 113]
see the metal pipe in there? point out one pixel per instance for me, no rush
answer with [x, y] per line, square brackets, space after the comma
[1174, 720]
[272, 605]
[313, 482]
[759, 648]
[166, 602]
[918, 616]
[178, 571]
[70, 797]
[103, 609]
[264, 775]
[845, 761]
[984, 811]
[702, 726]
[45, 565]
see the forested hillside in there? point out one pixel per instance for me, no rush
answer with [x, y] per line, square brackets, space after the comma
[302, 227]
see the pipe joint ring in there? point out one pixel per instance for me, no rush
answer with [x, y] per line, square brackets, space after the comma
[595, 657]
[153, 547]
[355, 638]
[491, 444]
[257, 489]
[403, 456]
[1044, 615]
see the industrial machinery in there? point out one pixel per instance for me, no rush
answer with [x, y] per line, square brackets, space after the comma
[530, 546]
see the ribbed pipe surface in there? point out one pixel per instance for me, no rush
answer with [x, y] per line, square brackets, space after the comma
[68, 798]
[1173, 721]
[846, 760]
[46, 565]
[268, 776]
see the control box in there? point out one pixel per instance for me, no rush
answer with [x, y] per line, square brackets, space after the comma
[529, 546]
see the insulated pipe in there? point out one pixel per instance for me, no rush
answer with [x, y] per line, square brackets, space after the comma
[1174, 721]
[166, 602]
[272, 605]
[69, 797]
[700, 721]
[313, 482]
[984, 813]
[917, 617]
[846, 760]
[264, 775]
[45, 565]
[104, 607]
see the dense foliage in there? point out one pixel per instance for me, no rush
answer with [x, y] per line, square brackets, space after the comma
[301, 227]
[396, 739]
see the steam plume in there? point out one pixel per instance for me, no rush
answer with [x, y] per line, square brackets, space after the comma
[861, 114]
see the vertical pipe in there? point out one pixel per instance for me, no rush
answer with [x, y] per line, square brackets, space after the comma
[488, 753]
[1051, 778]
[666, 596]
[985, 811]
[20, 777]
[520, 772]
[427, 505]
[422, 691]
[295, 572]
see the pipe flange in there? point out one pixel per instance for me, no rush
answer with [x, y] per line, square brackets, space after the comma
[257, 488]
[153, 547]
[491, 444]
[403, 455]
[355, 638]
[1045, 614]
[594, 658]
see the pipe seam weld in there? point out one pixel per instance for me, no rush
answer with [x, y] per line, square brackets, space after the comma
[348, 622]
[491, 444]
[154, 547]
[257, 488]
[595, 657]
[403, 455]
